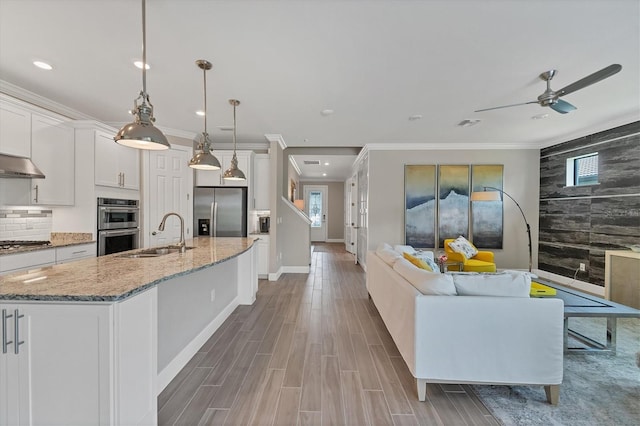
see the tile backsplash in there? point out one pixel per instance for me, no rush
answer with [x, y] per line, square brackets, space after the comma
[25, 224]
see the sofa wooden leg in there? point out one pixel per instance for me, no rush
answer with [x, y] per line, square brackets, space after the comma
[422, 389]
[553, 394]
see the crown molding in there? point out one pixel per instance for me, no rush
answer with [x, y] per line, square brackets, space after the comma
[273, 137]
[294, 163]
[41, 102]
[596, 128]
[93, 125]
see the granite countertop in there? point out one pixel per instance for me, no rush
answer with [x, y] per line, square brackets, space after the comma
[112, 278]
[58, 239]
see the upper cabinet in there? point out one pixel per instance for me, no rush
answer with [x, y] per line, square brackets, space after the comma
[15, 130]
[116, 165]
[53, 151]
[261, 179]
[214, 177]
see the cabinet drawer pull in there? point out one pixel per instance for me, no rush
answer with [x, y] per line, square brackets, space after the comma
[16, 335]
[79, 252]
[35, 200]
[5, 342]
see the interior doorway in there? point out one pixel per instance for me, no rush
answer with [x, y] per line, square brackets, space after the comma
[315, 201]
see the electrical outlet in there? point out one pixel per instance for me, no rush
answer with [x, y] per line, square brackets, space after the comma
[583, 267]
[213, 295]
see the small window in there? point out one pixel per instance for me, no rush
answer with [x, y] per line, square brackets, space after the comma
[582, 170]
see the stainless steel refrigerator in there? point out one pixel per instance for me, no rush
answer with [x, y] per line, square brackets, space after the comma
[219, 211]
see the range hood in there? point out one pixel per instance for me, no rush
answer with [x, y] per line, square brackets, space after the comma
[18, 167]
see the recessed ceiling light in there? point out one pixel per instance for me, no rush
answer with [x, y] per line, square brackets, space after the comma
[139, 65]
[540, 116]
[469, 122]
[324, 174]
[326, 112]
[200, 113]
[326, 164]
[42, 65]
[415, 117]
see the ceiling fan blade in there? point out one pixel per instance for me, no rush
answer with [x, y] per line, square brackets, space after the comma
[506, 106]
[562, 107]
[590, 79]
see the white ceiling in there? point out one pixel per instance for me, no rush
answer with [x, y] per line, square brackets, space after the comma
[328, 167]
[374, 63]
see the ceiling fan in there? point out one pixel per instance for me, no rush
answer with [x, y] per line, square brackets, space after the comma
[552, 99]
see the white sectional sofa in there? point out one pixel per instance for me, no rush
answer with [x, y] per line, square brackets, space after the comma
[469, 339]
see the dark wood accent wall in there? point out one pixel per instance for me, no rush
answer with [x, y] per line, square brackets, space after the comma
[578, 223]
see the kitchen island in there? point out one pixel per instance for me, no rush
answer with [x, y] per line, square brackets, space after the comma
[99, 338]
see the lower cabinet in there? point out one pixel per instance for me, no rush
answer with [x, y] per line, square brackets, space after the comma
[72, 363]
[262, 246]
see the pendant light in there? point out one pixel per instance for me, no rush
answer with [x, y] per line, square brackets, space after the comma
[233, 172]
[142, 134]
[203, 159]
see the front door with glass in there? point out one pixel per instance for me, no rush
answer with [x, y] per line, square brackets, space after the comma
[315, 201]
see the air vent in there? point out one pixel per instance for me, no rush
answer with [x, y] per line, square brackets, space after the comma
[312, 162]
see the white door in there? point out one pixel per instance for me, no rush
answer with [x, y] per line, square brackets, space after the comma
[353, 215]
[315, 201]
[169, 189]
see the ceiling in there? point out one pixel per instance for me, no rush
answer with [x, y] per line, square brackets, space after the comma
[374, 64]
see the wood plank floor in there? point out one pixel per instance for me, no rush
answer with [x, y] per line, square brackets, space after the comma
[312, 350]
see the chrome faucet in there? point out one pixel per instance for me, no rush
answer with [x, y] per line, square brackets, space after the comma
[181, 243]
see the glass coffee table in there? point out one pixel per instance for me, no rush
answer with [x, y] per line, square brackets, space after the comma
[579, 304]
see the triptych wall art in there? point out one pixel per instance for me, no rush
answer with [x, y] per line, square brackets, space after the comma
[438, 206]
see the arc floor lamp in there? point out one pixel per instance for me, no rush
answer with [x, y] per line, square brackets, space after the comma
[490, 193]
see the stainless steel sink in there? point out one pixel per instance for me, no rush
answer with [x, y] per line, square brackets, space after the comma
[153, 252]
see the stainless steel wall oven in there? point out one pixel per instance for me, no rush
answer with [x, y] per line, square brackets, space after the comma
[118, 229]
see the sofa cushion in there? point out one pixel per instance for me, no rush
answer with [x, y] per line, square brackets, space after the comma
[404, 249]
[420, 263]
[464, 247]
[504, 284]
[425, 282]
[387, 254]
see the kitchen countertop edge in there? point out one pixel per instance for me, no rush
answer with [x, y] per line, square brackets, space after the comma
[12, 297]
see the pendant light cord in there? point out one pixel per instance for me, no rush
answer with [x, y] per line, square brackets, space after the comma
[204, 71]
[144, 51]
[234, 129]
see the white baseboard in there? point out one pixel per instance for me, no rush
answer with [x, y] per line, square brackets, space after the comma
[570, 282]
[276, 275]
[170, 371]
[335, 240]
[295, 269]
[288, 270]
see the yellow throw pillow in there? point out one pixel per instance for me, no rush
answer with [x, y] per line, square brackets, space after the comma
[418, 262]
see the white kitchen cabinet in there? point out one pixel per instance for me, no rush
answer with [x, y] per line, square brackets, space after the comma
[115, 165]
[76, 252]
[79, 361]
[53, 151]
[262, 246]
[25, 260]
[15, 130]
[214, 177]
[261, 180]
[47, 376]
[45, 257]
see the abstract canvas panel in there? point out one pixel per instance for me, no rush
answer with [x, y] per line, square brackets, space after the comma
[487, 216]
[420, 205]
[453, 208]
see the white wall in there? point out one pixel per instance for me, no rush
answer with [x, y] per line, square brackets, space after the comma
[521, 181]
